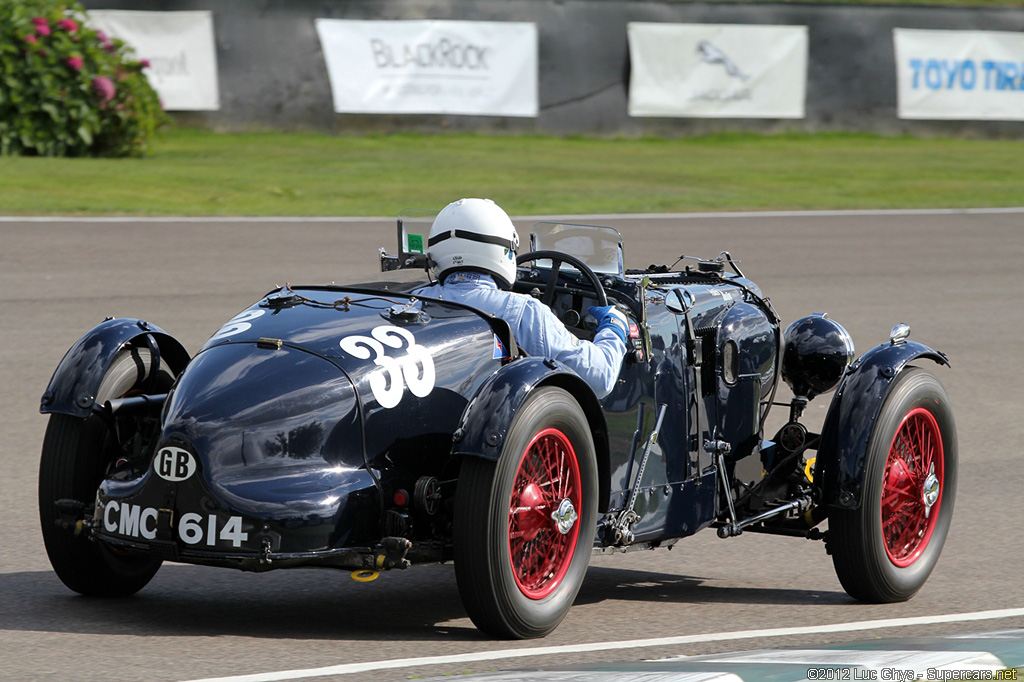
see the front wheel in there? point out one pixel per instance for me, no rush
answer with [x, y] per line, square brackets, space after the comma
[885, 550]
[524, 525]
[77, 454]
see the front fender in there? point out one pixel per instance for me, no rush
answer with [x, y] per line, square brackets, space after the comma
[850, 422]
[72, 389]
[488, 416]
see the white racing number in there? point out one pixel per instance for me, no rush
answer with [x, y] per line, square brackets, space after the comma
[237, 324]
[414, 370]
[135, 521]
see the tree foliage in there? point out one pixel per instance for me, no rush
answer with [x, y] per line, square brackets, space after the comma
[67, 89]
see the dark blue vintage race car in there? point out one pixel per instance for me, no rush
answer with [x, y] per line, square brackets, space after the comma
[363, 428]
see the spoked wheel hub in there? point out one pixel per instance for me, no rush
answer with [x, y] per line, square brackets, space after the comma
[542, 525]
[565, 516]
[912, 487]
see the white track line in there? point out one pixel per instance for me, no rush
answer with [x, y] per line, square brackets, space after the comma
[589, 216]
[349, 668]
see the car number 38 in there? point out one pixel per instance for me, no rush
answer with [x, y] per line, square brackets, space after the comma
[416, 367]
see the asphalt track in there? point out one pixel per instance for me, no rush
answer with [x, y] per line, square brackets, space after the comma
[955, 277]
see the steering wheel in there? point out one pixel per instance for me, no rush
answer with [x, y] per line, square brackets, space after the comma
[557, 258]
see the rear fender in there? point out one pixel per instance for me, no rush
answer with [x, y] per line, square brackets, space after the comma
[488, 416]
[72, 390]
[846, 433]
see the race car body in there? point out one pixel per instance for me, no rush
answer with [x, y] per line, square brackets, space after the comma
[366, 428]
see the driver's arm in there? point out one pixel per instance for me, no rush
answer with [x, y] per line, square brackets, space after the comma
[542, 334]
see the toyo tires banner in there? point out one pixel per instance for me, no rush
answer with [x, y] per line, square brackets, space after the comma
[966, 75]
[180, 49]
[484, 68]
[717, 70]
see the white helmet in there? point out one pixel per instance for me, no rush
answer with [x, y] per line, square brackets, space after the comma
[473, 234]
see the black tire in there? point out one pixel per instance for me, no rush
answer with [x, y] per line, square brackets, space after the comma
[76, 455]
[885, 550]
[499, 515]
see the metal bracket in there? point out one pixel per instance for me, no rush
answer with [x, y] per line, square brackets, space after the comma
[394, 551]
[71, 515]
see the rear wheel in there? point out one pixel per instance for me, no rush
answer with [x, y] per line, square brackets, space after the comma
[77, 454]
[524, 525]
[885, 550]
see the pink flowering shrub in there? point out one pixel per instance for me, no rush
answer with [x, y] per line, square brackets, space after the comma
[69, 90]
[104, 89]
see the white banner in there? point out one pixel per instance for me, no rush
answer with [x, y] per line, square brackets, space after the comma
[180, 49]
[966, 75]
[717, 70]
[486, 68]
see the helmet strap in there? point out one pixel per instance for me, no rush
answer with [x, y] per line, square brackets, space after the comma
[473, 237]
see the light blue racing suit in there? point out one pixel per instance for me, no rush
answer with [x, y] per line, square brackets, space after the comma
[537, 330]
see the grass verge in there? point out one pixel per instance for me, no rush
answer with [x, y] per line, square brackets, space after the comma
[195, 172]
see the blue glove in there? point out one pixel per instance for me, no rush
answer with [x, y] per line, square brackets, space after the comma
[610, 317]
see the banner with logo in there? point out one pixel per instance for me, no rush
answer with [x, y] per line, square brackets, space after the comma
[180, 49]
[717, 70]
[484, 68]
[966, 75]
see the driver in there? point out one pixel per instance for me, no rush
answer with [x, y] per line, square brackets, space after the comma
[471, 250]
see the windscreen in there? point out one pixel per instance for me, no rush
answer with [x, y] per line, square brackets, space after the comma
[597, 246]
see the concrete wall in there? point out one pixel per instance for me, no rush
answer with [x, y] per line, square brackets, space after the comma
[272, 72]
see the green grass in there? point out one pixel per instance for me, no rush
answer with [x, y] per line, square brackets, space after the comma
[194, 172]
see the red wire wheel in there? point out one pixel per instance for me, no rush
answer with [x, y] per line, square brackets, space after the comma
[885, 549]
[542, 519]
[524, 524]
[912, 487]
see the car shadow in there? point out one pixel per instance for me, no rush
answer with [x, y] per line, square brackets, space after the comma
[630, 585]
[420, 604]
[199, 601]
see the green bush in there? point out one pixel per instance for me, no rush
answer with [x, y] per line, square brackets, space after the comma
[67, 89]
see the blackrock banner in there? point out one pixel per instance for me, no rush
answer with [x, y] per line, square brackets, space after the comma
[717, 70]
[965, 75]
[180, 49]
[483, 68]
